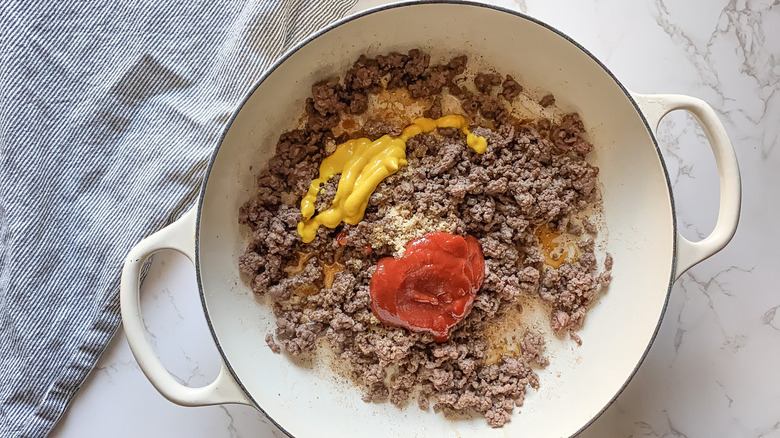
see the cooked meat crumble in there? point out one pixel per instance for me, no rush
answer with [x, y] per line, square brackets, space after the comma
[533, 174]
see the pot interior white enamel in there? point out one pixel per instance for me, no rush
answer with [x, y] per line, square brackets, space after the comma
[307, 399]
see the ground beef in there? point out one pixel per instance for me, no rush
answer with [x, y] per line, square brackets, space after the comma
[568, 136]
[547, 100]
[533, 348]
[533, 174]
[510, 88]
[318, 122]
[487, 107]
[269, 339]
[364, 76]
[414, 72]
[435, 110]
[373, 129]
[485, 82]
[327, 194]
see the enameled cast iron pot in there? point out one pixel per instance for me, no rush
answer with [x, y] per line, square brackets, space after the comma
[649, 254]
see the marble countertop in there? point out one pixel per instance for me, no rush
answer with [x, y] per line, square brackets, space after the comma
[713, 368]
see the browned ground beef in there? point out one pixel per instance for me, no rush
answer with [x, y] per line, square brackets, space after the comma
[533, 173]
[547, 100]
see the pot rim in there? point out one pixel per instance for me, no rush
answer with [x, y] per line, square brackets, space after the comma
[402, 4]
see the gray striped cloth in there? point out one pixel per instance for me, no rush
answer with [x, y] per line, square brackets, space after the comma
[110, 110]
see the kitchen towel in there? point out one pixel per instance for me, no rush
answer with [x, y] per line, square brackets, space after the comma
[110, 110]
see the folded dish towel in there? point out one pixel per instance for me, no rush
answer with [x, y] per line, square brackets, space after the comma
[109, 113]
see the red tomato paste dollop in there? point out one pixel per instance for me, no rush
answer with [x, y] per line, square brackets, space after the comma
[432, 287]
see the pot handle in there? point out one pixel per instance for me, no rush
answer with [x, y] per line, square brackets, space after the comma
[655, 107]
[178, 236]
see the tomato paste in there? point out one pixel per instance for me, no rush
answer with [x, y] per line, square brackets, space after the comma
[432, 287]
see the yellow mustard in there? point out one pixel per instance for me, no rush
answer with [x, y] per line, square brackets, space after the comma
[363, 164]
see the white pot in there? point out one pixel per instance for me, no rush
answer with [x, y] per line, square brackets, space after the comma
[649, 254]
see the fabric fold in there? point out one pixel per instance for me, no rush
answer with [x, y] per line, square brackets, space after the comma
[109, 114]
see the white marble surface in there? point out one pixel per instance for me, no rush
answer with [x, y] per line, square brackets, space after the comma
[713, 369]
